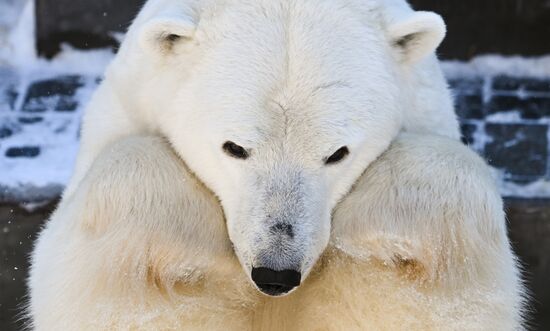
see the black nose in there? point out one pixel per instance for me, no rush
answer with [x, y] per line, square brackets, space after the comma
[275, 283]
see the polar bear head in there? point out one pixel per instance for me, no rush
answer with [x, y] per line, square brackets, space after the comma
[277, 106]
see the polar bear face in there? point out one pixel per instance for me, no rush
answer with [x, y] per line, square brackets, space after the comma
[278, 107]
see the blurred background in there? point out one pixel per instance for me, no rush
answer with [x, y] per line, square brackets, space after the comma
[53, 52]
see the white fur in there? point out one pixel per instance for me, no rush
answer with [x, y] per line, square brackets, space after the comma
[138, 83]
[291, 82]
[406, 253]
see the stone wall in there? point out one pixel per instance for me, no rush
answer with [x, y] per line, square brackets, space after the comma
[506, 120]
[508, 27]
[81, 23]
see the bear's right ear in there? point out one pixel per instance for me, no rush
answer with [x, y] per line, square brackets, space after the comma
[159, 35]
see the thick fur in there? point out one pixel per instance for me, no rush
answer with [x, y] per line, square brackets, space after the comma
[290, 81]
[139, 243]
[142, 245]
[355, 43]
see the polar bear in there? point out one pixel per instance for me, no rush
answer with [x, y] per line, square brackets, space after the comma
[223, 163]
[419, 244]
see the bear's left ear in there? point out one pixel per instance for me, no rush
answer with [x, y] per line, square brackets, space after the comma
[417, 35]
[159, 35]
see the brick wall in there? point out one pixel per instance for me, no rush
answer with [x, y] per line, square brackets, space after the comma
[506, 119]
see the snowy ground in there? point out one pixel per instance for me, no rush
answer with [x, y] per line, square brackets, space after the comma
[39, 129]
[51, 134]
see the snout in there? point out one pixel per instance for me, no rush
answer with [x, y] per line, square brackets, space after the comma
[275, 283]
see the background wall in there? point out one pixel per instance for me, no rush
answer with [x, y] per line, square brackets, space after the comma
[507, 27]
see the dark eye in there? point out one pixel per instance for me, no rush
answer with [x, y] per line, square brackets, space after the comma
[235, 150]
[338, 156]
[173, 37]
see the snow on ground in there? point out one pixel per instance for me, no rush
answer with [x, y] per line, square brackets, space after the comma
[18, 50]
[16, 32]
[538, 189]
[43, 177]
[56, 133]
[9, 13]
[494, 65]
